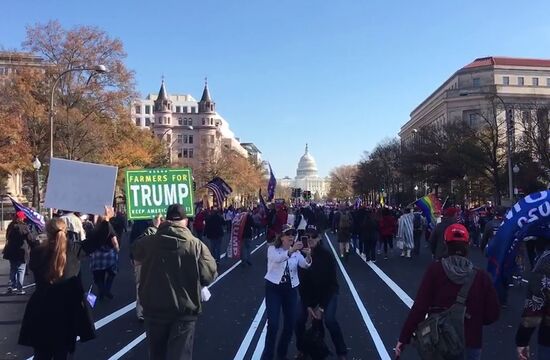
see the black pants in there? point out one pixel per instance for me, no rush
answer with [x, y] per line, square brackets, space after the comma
[370, 246]
[103, 279]
[417, 240]
[170, 341]
[51, 354]
[387, 240]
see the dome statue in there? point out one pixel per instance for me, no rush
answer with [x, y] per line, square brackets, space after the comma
[306, 166]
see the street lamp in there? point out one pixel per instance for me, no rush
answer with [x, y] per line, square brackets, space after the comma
[36, 164]
[98, 69]
[416, 191]
[508, 137]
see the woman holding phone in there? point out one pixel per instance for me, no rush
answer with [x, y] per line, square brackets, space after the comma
[281, 289]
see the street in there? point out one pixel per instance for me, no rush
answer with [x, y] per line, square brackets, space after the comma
[373, 303]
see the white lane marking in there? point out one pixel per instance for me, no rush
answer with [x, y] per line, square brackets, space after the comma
[115, 315]
[128, 347]
[261, 343]
[135, 342]
[391, 284]
[28, 286]
[250, 333]
[366, 318]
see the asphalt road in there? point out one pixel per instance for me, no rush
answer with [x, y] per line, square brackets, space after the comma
[373, 303]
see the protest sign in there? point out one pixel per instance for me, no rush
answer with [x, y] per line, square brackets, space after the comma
[150, 191]
[237, 230]
[80, 186]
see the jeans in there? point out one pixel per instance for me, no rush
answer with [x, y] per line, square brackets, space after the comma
[170, 341]
[332, 325]
[17, 274]
[245, 250]
[473, 354]
[544, 352]
[277, 297]
[51, 354]
[104, 281]
[137, 272]
[216, 245]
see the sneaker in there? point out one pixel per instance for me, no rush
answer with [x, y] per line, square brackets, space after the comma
[385, 257]
[373, 261]
[9, 290]
[20, 292]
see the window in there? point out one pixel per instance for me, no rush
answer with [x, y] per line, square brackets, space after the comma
[159, 120]
[138, 122]
[169, 120]
[190, 152]
[190, 139]
[190, 122]
[521, 81]
[180, 121]
[477, 82]
[211, 121]
[169, 138]
[473, 119]
[535, 81]
[184, 109]
[180, 153]
[148, 109]
[506, 80]
[185, 153]
[147, 122]
[203, 121]
[180, 138]
[178, 109]
[138, 109]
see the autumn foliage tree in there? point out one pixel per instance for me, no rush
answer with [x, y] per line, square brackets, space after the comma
[341, 182]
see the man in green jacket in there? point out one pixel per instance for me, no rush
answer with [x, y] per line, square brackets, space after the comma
[175, 266]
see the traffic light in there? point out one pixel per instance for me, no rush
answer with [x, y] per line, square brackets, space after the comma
[298, 192]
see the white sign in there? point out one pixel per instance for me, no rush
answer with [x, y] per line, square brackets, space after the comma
[80, 186]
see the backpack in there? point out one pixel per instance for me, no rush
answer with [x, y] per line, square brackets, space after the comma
[441, 335]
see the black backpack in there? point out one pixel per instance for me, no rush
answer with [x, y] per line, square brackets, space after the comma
[441, 335]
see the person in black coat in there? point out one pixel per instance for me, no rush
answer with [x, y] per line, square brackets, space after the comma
[369, 236]
[319, 295]
[213, 229]
[19, 241]
[57, 312]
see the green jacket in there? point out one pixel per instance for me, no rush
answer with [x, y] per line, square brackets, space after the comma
[175, 265]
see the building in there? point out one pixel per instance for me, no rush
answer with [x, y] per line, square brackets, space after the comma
[254, 153]
[514, 83]
[192, 129]
[307, 177]
[11, 62]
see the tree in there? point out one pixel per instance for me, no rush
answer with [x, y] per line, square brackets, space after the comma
[341, 182]
[534, 124]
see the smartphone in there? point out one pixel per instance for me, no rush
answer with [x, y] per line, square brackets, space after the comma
[303, 239]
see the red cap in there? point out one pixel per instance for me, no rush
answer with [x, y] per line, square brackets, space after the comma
[20, 215]
[457, 232]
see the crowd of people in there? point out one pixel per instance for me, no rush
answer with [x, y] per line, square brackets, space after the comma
[175, 259]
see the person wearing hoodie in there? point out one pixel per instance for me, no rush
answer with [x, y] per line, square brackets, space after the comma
[536, 312]
[439, 289]
[437, 241]
[19, 242]
[174, 267]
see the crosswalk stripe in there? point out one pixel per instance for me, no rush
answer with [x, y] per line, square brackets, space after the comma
[378, 343]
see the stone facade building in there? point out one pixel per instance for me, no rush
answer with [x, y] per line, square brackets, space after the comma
[307, 177]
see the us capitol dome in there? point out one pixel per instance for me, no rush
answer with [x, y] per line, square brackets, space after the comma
[307, 176]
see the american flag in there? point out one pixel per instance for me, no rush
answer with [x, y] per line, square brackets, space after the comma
[32, 215]
[271, 185]
[220, 189]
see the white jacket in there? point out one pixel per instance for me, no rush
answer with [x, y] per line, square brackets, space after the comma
[277, 259]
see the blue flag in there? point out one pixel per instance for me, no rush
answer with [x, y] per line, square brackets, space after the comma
[529, 216]
[32, 216]
[271, 185]
[220, 189]
[263, 205]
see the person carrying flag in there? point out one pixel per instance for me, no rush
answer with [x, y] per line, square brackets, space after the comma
[19, 241]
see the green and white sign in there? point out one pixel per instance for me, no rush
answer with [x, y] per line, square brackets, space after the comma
[150, 191]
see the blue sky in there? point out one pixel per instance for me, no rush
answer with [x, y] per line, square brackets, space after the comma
[340, 75]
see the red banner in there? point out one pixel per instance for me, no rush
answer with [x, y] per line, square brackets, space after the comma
[237, 229]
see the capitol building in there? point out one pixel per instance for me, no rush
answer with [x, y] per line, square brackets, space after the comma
[307, 177]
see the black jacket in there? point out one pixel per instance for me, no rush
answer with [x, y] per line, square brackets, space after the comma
[248, 227]
[57, 313]
[318, 283]
[213, 226]
[19, 240]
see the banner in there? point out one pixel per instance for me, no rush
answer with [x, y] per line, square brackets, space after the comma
[237, 229]
[529, 214]
[80, 186]
[150, 191]
[271, 185]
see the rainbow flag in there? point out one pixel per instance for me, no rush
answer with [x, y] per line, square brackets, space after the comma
[430, 206]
